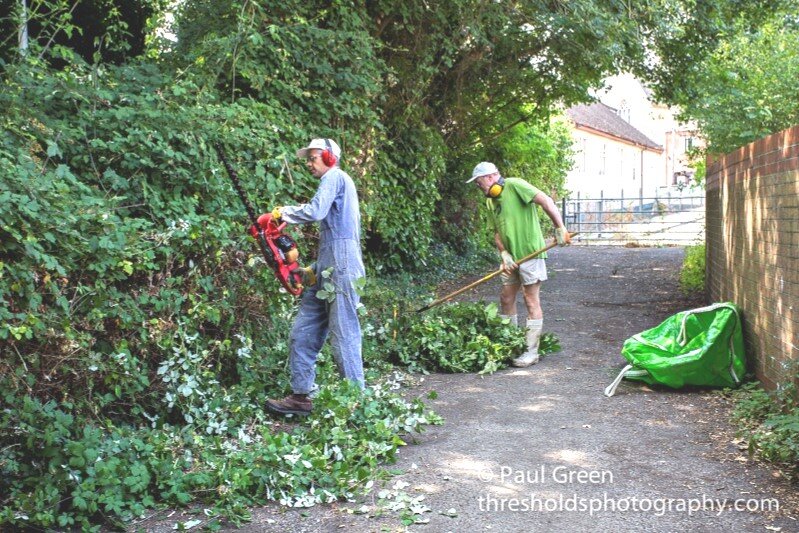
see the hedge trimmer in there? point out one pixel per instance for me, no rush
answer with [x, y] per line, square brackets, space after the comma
[278, 249]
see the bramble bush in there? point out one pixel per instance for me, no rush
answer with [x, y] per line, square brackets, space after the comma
[428, 343]
[465, 337]
[692, 273]
[769, 421]
[141, 333]
[64, 471]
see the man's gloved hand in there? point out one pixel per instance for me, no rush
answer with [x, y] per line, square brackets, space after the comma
[508, 264]
[308, 276]
[562, 236]
[254, 231]
[277, 214]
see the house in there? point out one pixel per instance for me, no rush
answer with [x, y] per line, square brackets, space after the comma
[627, 145]
[611, 155]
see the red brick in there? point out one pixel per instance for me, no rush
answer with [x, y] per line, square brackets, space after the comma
[752, 220]
[791, 136]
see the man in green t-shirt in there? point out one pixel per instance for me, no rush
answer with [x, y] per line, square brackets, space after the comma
[517, 233]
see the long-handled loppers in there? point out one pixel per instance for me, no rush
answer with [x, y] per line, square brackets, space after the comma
[490, 276]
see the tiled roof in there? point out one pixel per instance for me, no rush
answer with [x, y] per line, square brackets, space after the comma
[603, 118]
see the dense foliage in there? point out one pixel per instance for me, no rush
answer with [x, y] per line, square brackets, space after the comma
[730, 65]
[119, 228]
[417, 93]
[486, 341]
[757, 70]
[692, 273]
[64, 471]
[769, 422]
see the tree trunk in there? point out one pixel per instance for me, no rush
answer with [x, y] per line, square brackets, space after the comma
[23, 29]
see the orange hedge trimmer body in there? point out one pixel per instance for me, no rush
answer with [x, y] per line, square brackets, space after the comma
[283, 249]
[278, 249]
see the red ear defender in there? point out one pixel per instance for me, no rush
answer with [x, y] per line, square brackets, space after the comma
[328, 157]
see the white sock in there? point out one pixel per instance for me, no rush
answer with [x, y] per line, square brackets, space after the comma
[514, 319]
[534, 328]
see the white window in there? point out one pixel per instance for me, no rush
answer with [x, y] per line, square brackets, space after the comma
[602, 160]
[583, 150]
[624, 111]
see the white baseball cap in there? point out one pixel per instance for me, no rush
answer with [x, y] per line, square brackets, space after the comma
[320, 144]
[482, 169]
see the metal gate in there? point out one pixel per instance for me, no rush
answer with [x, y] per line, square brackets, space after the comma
[672, 218]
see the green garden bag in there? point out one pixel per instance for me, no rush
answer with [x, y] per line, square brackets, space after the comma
[702, 346]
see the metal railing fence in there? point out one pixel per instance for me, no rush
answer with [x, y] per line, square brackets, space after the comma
[674, 217]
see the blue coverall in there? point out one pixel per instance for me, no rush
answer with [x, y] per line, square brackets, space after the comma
[335, 206]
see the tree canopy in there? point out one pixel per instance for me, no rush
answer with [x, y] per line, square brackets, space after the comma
[729, 65]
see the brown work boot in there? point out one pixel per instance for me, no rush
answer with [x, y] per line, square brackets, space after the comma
[293, 404]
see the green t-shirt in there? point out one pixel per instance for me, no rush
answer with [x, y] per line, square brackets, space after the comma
[515, 218]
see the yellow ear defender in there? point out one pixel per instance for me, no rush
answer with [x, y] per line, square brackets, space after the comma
[496, 189]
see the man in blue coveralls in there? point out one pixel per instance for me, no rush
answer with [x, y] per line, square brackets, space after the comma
[335, 207]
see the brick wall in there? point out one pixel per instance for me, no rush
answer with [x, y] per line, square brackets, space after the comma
[753, 248]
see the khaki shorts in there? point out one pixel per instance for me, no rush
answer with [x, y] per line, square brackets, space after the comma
[529, 273]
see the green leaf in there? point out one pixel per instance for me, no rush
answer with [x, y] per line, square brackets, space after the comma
[52, 149]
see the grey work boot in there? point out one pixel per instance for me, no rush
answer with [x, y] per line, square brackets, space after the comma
[530, 357]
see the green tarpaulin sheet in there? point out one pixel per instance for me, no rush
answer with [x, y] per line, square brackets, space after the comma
[701, 346]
